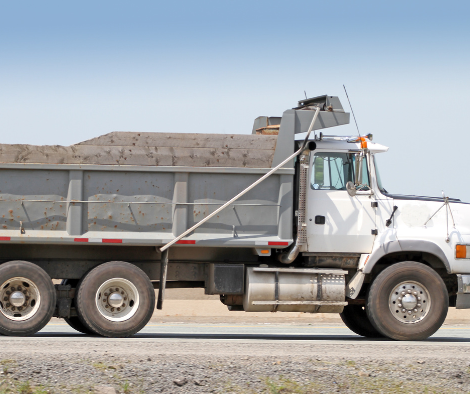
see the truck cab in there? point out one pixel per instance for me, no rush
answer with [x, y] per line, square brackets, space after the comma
[389, 244]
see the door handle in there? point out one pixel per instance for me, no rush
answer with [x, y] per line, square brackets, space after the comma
[319, 219]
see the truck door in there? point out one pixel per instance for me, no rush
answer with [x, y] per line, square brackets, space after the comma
[336, 221]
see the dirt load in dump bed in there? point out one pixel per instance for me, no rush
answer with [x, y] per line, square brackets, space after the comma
[152, 149]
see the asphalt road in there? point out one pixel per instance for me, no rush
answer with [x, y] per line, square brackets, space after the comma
[262, 331]
[314, 335]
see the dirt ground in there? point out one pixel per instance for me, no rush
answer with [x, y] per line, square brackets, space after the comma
[192, 305]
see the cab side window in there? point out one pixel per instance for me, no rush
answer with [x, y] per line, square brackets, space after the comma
[332, 170]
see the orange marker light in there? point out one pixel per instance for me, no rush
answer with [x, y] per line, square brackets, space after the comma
[363, 143]
[460, 251]
[265, 251]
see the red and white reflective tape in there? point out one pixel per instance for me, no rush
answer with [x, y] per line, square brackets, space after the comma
[99, 240]
[119, 241]
[271, 243]
[180, 242]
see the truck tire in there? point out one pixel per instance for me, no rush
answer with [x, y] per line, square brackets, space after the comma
[115, 299]
[407, 301]
[356, 319]
[27, 298]
[74, 321]
[76, 324]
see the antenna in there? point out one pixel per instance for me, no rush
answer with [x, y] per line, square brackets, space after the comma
[350, 106]
[305, 95]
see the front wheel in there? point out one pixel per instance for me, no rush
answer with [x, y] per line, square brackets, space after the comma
[407, 301]
[115, 299]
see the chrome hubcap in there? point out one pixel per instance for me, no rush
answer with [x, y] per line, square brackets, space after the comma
[115, 300]
[409, 302]
[17, 298]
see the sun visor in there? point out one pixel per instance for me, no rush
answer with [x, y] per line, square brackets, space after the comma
[331, 113]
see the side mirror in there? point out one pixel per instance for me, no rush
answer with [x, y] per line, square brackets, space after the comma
[358, 175]
[351, 188]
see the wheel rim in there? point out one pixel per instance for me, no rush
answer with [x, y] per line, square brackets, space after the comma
[409, 302]
[19, 299]
[117, 299]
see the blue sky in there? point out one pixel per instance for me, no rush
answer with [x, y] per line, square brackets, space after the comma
[70, 71]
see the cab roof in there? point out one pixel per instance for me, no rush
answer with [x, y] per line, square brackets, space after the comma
[344, 143]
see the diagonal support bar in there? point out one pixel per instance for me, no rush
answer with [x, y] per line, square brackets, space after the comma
[268, 174]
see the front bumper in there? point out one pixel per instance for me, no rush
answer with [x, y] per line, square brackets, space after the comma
[463, 294]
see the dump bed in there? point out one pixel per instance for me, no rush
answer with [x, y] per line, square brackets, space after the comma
[145, 188]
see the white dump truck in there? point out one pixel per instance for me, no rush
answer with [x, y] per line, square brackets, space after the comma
[273, 221]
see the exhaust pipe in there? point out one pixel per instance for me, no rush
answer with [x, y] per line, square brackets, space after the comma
[289, 256]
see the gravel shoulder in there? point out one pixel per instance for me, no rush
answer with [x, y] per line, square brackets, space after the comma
[155, 364]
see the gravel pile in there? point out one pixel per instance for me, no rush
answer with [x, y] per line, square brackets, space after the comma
[114, 373]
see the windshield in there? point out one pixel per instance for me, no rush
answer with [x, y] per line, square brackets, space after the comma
[332, 170]
[377, 175]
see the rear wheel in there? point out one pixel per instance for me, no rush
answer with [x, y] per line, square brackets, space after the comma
[74, 321]
[356, 319]
[27, 298]
[115, 299]
[407, 301]
[76, 324]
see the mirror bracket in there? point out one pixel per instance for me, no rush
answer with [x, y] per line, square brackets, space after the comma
[351, 188]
